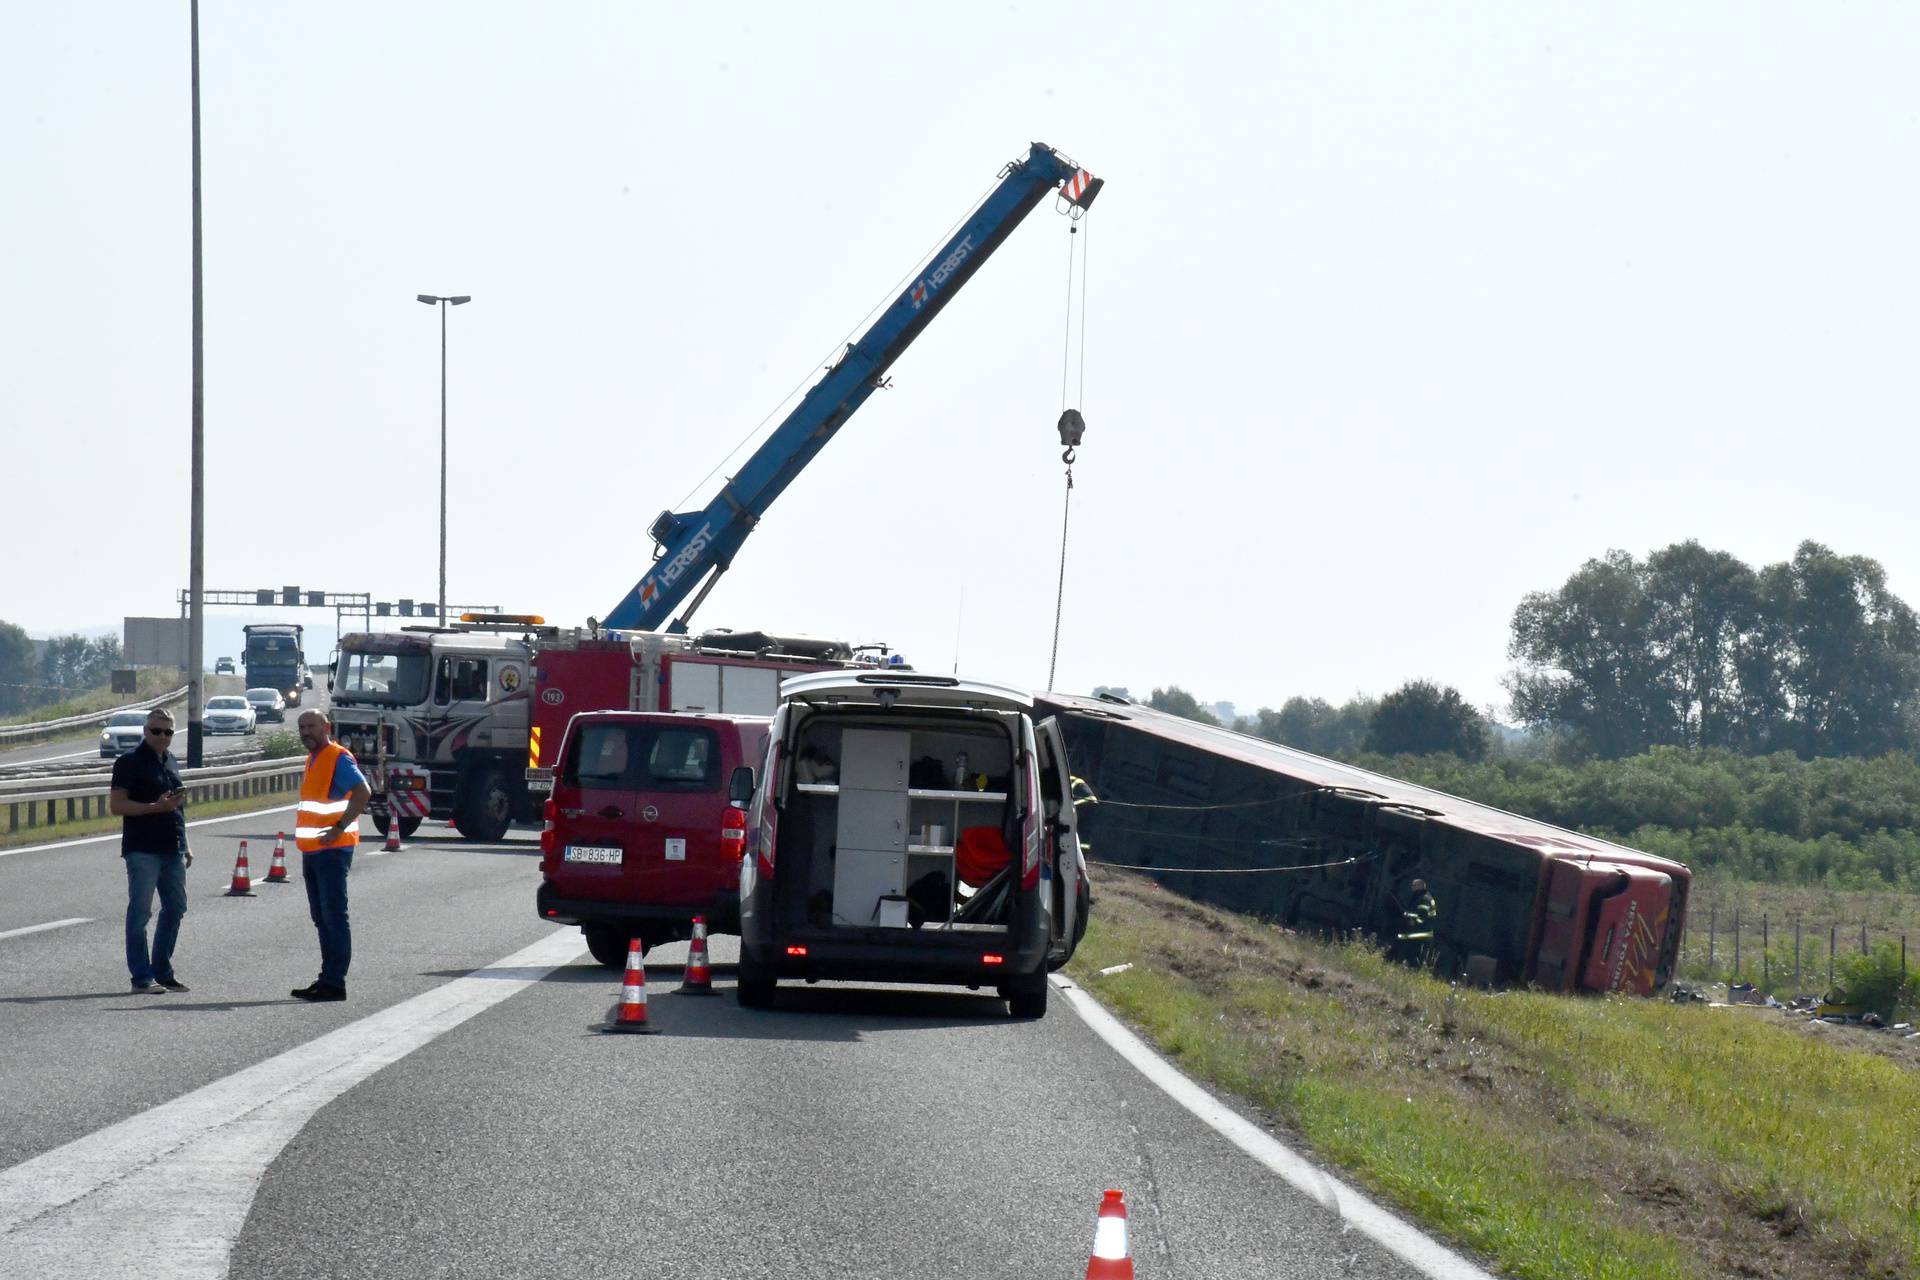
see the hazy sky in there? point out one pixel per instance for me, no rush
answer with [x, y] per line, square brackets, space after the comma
[1395, 312]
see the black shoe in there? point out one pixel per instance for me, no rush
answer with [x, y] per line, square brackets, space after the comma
[320, 991]
[173, 984]
[149, 987]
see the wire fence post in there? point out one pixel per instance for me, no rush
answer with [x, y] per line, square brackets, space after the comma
[1796, 954]
[1833, 941]
[1736, 943]
[1863, 937]
[1713, 932]
[1766, 953]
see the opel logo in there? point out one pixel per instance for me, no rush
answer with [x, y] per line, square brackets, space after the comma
[650, 813]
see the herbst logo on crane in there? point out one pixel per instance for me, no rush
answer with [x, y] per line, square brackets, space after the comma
[938, 276]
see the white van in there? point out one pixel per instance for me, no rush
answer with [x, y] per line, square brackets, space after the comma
[910, 828]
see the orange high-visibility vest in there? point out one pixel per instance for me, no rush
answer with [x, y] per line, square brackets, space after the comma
[317, 813]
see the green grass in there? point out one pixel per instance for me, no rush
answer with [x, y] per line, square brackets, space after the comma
[1559, 1137]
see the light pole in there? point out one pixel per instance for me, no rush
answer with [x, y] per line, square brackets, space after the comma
[435, 300]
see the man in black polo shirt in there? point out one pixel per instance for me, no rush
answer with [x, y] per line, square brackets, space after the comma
[148, 796]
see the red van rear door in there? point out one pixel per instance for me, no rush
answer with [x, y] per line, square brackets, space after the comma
[645, 827]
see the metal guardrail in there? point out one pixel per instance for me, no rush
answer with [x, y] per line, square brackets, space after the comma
[45, 728]
[35, 803]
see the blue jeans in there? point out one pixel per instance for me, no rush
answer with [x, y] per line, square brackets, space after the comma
[146, 872]
[326, 875]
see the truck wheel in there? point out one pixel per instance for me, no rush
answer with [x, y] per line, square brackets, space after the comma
[753, 986]
[609, 946]
[485, 808]
[1028, 997]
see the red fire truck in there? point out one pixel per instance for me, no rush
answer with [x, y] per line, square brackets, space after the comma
[728, 672]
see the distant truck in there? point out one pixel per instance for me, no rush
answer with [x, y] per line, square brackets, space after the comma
[274, 659]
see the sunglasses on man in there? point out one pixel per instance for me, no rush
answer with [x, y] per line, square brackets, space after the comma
[160, 733]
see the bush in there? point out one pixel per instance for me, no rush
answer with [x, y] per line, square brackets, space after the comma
[1875, 981]
[280, 744]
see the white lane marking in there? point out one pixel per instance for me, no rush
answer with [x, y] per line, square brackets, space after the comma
[42, 928]
[115, 835]
[165, 1193]
[1418, 1250]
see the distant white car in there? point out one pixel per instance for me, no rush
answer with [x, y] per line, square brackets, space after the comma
[267, 704]
[122, 733]
[230, 713]
[224, 667]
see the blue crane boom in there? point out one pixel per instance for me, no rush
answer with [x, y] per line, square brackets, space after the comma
[697, 545]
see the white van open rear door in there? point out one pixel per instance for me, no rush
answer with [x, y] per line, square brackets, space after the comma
[1070, 889]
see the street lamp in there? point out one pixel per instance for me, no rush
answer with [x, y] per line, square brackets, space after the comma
[435, 300]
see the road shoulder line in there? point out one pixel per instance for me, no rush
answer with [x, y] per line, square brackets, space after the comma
[1389, 1231]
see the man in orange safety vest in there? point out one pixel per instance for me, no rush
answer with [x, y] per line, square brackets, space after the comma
[333, 793]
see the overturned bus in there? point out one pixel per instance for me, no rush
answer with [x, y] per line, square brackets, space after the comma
[1328, 847]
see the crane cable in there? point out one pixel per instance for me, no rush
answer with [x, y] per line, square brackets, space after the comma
[1067, 455]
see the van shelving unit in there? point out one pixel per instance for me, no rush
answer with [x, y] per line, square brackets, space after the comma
[881, 822]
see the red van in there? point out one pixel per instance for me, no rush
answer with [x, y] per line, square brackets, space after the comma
[641, 835]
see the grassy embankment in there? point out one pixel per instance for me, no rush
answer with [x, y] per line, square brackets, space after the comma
[150, 684]
[1559, 1137]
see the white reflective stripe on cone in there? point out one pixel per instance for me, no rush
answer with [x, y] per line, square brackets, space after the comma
[1110, 1238]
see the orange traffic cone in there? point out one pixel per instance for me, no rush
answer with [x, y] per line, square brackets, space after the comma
[393, 834]
[277, 873]
[697, 978]
[242, 886]
[1112, 1259]
[631, 1013]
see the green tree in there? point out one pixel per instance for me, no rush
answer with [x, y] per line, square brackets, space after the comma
[1701, 605]
[1853, 653]
[18, 674]
[1177, 701]
[1591, 670]
[1421, 718]
[1314, 724]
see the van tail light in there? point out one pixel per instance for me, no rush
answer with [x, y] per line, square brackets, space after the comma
[733, 833]
[770, 812]
[548, 840]
[1031, 834]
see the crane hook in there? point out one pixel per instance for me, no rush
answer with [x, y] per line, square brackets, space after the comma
[1072, 428]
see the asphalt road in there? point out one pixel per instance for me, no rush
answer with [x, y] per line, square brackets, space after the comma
[458, 1116]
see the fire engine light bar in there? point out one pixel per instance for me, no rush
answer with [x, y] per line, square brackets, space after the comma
[520, 619]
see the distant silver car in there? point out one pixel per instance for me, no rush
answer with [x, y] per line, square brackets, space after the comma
[229, 713]
[267, 704]
[122, 733]
[224, 667]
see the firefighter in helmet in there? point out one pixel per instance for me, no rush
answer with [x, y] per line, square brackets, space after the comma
[1416, 924]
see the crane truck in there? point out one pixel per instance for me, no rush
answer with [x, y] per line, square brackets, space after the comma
[439, 755]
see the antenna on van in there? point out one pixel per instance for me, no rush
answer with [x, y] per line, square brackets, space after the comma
[958, 613]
